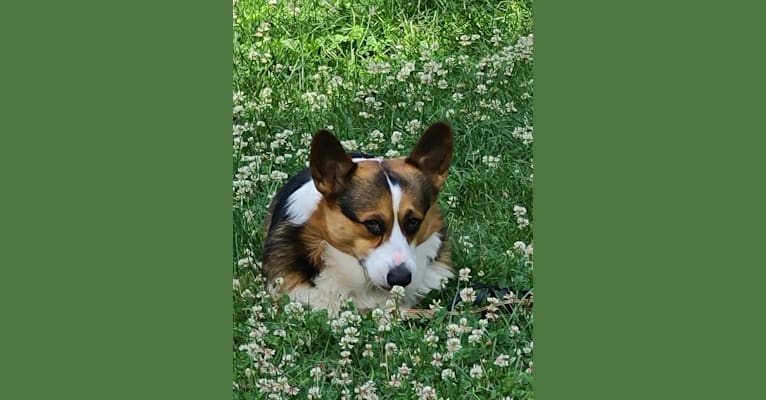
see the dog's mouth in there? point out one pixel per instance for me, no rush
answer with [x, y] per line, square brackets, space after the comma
[384, 287]
[372, 283]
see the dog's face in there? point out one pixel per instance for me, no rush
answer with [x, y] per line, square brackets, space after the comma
[378, 210]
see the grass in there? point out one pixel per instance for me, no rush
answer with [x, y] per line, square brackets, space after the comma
[304, 65]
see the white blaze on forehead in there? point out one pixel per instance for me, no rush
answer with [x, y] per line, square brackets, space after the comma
[396, 198]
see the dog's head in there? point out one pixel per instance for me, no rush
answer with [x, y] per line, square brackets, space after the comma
[379, 210]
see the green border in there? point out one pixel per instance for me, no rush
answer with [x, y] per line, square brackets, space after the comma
[648, 200]
[114, 157]
[116, 164]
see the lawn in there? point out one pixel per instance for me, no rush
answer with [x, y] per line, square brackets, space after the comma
[376, 73]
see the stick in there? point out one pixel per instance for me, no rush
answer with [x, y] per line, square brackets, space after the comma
[429, 313]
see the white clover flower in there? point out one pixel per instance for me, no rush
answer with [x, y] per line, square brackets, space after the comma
[366, 391]
[404, 370]
[314, 393]
[392, 154]
[390, 348]
[292, 390]
[452, 201]
[376, 68]
[465, 40]
[522, 222]
[413, 126]
[368, 351]
[377, 135]
[436, 360]
[475, 336]
[464, 275]
[476, 371]
[519, 246]
[524, 47]
[425, 78]
[525, 134]
[350, 338]
[350, 145]
[345, 360]
[513, 330]
[502, 360]
[468, 295]
[426, 393]
[278, 175]
[448, 374]
[453, 345]
[395, 381]
[397, 292]
[453, 330]
[238, 97]
[245, 262]
[405, 72]
[443, 282]
[465, 241]
[431, 338]
[519, 211]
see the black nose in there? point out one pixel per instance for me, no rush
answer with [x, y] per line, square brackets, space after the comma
[400, 275]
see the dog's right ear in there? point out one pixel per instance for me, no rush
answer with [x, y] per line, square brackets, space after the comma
[331, 167]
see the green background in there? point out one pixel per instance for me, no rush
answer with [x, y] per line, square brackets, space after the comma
[116, 225]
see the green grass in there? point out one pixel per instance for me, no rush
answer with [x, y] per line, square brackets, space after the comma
[314, 67]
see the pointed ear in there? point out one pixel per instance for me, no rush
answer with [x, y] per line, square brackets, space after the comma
[331, 167]
[433, 153]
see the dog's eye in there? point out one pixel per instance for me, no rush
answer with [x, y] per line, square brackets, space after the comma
[412, 225]
[374, 226]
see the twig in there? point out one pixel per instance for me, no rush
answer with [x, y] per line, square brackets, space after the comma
[429, 313]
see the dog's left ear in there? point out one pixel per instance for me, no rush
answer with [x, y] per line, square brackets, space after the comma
[433, 153]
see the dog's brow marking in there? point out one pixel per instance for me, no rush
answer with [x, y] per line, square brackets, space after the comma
[396, 195]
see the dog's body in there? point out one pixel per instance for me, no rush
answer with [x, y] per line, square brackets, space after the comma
[356, 227]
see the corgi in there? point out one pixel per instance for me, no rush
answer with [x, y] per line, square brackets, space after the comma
[354, 226]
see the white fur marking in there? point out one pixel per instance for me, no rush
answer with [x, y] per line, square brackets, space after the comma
[302, 203]
[377, 159]
[394, 251]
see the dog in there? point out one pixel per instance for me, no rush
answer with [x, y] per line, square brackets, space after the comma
[354, 226]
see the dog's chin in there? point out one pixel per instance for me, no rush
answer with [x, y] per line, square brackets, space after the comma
[381, 287]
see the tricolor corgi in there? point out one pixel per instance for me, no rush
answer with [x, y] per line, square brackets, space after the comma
[354, 227]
